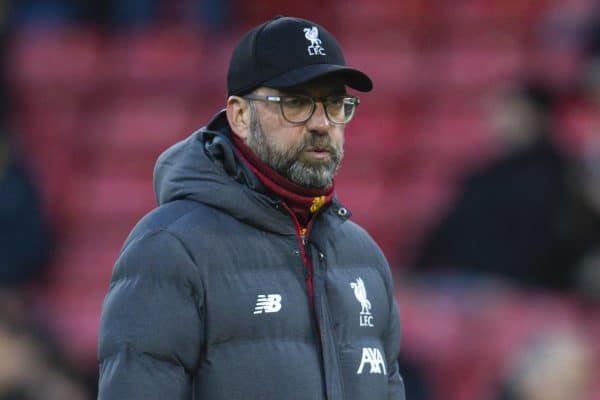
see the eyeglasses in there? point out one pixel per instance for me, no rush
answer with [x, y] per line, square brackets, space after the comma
[298, 108]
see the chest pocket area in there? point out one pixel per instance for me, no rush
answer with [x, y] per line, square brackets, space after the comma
[359, 303]
[360, 310]
[256, 305]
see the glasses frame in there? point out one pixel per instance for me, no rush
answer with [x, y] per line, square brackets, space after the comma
[323, 100]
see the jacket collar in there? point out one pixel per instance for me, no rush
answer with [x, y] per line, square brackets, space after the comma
[205, 168]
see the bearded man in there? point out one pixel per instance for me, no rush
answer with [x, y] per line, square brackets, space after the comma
[249, 281]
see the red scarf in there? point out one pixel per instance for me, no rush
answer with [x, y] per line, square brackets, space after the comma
[302, 201]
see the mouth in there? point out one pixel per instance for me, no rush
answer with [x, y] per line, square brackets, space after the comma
[319, 153]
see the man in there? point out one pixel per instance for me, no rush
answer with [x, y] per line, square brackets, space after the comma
[249, 281]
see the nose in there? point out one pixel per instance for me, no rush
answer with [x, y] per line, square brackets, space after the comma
[318, 122]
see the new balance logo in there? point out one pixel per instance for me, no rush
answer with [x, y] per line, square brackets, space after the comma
[268, 303]
[373, 357]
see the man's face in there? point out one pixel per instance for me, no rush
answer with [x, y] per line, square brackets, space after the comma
[309, 153]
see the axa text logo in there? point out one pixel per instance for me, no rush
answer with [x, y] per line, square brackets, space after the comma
[372, 357]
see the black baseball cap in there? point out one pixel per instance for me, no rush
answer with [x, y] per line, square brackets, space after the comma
[286, 52]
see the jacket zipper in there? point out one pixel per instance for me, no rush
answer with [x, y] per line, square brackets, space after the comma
[333, 391]
[301, 234]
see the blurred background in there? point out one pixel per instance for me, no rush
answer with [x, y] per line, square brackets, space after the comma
[475, 164]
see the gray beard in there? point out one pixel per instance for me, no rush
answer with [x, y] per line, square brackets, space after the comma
[317, 174]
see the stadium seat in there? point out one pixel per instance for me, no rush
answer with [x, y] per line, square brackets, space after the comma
[395, 68]
[129, 133]
[110, 202]
[365, 198]
[468, 65]
[382, 15]
[63, 60]
[75, 289]
[380, 137]
[167, 60]
[453, 136]
[465, 11]
[45, 121]
[95, 110]
[252, 13]
[467, 335]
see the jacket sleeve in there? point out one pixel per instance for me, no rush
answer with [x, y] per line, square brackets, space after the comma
[151, 332]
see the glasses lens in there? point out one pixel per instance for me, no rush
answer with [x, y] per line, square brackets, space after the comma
[341, 108]
[297, 108]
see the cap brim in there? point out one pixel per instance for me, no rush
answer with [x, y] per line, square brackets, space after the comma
[352, 77]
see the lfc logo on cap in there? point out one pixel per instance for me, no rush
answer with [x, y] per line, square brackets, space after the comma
[315, 48]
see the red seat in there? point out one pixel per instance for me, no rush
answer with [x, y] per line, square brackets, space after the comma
[75, 321]
[362, 194]
[395, 68]
[382, 15]
[365, 196]
[376, 137]
[45, 123]
[252, 13]
[109, 202]
[75, 290]
[167, 59]
[453, 137]
[130, 133]
[85, 259]
[468, 335]
[46, 134]
[59, 60]
[463, 11]
[472, 65]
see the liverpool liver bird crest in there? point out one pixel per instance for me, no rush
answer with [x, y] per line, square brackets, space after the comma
[312, 34]
[361, 295]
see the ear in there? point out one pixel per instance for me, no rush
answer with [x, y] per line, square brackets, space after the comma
[238, 116]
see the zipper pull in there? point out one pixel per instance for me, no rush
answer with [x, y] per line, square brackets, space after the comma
[303, 232]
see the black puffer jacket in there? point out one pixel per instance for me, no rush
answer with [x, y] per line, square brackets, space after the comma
[208, 299]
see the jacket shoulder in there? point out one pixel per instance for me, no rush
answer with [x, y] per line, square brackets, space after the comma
[358, 237]
[175, 217]
[166, 215]
[359, 244]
